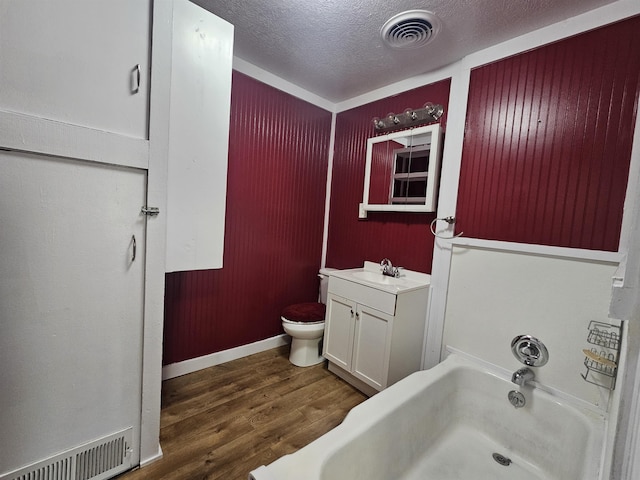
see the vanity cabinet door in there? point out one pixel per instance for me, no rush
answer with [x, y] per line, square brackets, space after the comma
[339, 331]
[371, 346]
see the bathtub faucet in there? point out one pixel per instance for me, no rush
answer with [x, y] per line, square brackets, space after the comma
[388, 268]
[522, 376]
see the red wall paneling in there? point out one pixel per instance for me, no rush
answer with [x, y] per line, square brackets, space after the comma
[548, 142]
[403, 237]
[278, 155]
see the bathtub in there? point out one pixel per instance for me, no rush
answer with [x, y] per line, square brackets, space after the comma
[447, 423]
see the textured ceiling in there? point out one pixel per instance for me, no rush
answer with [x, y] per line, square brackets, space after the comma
[333, 47]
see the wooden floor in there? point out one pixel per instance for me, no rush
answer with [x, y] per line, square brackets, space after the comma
[223, 422]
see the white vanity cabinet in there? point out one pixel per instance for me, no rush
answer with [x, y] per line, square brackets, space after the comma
[375, 326]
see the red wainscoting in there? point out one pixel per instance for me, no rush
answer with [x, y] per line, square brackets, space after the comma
[278, 155]
[548, 142]
[403, 237]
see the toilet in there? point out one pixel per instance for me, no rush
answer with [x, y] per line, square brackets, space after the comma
[304, 322]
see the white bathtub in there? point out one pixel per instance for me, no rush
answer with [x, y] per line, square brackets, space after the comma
[445, 424]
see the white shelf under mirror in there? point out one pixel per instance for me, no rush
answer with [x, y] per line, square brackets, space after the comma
[401, 171]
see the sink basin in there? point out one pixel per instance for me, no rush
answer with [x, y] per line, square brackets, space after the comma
[371, 276]
[375, 277]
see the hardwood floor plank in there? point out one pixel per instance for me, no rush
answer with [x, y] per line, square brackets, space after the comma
[292, 401]
[230, 385]
[341, 400]
[224, 421]
[305, 435]
[239, 471]
[186, 386]
[240, 402]
[277, 429]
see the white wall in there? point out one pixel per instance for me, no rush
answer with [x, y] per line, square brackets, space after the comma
[496, 295]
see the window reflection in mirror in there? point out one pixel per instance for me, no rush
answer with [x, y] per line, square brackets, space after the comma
[409, 175]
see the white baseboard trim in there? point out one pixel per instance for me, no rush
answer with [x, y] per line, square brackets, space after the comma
[194, 364]
[154, 458]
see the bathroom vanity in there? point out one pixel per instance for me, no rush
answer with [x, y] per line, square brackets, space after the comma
[375, 325]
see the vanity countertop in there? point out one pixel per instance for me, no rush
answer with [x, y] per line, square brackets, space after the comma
[370, 275]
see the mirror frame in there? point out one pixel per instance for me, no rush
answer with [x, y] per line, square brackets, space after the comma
[435, 130]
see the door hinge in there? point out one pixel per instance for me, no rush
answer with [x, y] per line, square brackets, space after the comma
[150, 211]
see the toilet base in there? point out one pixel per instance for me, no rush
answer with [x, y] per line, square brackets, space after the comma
[305, 353]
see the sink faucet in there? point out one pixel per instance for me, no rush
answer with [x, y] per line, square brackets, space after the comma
[522, 376]
[388, 268]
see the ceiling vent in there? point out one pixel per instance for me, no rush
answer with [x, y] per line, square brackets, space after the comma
[410, 29]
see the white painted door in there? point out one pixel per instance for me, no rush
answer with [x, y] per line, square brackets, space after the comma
[372, 346]
[339, 330]
[75, 61]
[71, 304]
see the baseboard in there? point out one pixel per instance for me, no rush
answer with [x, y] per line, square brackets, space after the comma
[194, 364]
[153, 458]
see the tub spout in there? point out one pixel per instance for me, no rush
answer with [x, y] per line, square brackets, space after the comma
[522, 376]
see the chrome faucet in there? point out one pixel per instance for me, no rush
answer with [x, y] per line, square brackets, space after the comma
[522, 376]
[388, 268]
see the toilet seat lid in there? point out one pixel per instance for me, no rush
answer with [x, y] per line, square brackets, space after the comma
[312, 312]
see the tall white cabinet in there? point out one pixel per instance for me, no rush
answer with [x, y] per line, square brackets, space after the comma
[201, 61]
[74, 101]
[83, 147]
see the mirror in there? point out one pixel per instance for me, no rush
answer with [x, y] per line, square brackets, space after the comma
[401, 171]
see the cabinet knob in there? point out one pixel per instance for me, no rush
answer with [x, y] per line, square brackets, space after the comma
[352, 312]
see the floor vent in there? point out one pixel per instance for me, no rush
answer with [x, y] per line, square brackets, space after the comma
[97, 460]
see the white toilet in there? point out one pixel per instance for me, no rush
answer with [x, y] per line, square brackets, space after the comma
[304, 322]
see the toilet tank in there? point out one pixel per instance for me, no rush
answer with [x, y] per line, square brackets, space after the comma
[324, 283]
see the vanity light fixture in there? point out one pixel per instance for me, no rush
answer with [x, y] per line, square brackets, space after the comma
[410, 118]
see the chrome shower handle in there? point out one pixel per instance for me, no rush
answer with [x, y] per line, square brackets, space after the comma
[530, 351]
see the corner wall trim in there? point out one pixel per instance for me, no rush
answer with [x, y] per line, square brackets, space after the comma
[194, 364]
[154, 458]
[280, 83]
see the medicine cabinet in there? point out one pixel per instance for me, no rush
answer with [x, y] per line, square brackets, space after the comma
[402, 170]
